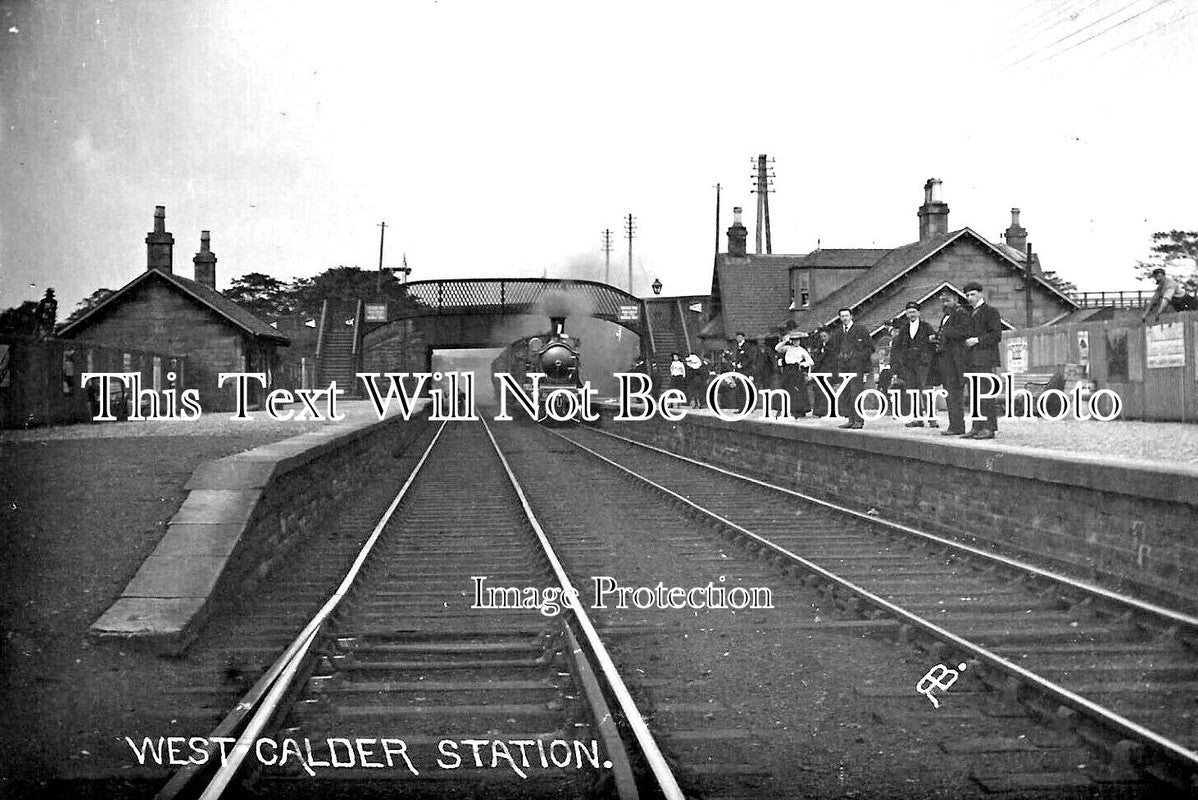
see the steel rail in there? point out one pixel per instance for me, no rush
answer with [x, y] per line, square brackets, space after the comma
[649, 748]
[269, 690]
[1130, 602]
[1059, 693]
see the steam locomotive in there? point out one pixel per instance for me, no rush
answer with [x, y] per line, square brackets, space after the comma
[555, 355]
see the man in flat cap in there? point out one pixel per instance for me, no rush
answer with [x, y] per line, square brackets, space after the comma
[1168, 293]
[911, 355]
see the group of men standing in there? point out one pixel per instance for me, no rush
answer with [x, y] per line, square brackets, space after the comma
[966, 341]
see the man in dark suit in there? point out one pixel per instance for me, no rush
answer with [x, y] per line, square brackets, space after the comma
[821, 355]
[911, 358]
[851, 348]
[985, 332]
[744, 361]
[951, 357]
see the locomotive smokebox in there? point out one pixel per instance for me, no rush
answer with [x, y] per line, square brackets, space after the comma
[557, 326]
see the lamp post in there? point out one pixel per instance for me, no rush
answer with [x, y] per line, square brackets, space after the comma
[656, 286]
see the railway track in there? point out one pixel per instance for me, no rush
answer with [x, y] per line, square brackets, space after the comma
[404, 686]
[741, 700]
[1121, 673]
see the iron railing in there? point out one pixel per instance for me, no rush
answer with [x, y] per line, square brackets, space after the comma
[1122, 299]
[541, 296]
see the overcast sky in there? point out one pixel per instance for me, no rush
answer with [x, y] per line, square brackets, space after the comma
[500, 139]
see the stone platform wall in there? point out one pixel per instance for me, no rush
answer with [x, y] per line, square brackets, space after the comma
[242, 516]
[1125, 527]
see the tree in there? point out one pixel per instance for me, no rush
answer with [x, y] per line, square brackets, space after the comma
[1177, 253]
[345, 283]
[266, 296]
[20, 320]
[31, 318]
[87, 304]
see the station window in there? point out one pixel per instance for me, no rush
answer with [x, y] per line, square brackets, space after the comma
[68, 371]
[804, 290]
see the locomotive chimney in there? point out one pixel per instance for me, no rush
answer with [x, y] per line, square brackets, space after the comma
[557, 326]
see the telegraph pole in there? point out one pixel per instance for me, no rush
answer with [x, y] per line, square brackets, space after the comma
[717, 220]
[607, 255]
[765, 182]
[378, 283]
[1027, 285]
[630, 234]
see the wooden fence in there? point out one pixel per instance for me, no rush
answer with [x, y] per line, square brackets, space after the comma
[1151, 367]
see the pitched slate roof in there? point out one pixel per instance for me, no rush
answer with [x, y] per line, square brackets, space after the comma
[754, 291]
[922, 292]
[224, 307]
[895, 264]
[843, 258]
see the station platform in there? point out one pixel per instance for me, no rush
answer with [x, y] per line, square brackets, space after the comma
[1112, 503]
[83, 507]
[1159, 443]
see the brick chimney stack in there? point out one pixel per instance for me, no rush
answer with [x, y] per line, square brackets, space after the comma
[738, 236]
[933, 214]
[159, 243]
[1016, 235]
[205, 262]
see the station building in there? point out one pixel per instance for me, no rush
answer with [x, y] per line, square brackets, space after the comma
[762, 294]
[161, 310]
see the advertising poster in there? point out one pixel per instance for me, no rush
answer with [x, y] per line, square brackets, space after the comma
[577, 503]
[1165, 345]
[1017, 355]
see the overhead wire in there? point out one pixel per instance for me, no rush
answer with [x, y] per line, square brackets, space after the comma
[1021, 41]
[1107, 30]
[1031, 22]
[1080, 30]
[1041, 51]
[1160, 26]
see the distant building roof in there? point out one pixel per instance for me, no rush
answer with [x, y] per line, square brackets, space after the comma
[897, 263]
[233, 313]
[743, 283]
[842, 258]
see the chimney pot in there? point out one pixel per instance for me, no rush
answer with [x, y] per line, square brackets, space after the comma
[1016, 234]
[159, 243]
[205, 263]
[933, 214]
[738, 235]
